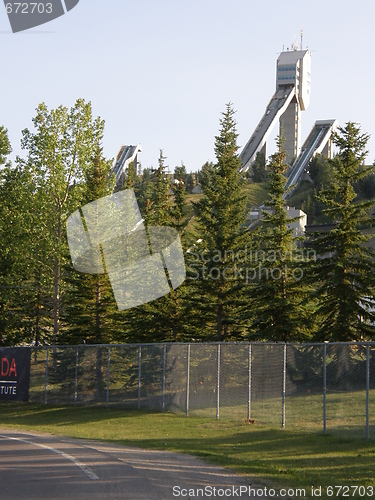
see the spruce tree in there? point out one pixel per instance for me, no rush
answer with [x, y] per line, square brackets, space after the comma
[259, 173]
[278, 300]
[179, 192]
[181, 173]
[161, 212]
[221, 214]
[163, 319]
[89, 304]
[131, 177]
[344, 269]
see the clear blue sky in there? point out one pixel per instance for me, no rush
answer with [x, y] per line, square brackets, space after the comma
[161, 71]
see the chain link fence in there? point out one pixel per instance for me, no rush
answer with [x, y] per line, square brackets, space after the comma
[327, 386]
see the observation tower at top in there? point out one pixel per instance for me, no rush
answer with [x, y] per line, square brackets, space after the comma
[293, 71]
[292, 96]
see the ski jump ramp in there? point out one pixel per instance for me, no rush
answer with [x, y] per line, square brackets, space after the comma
[317, 142]
[276, 107]
[125, 156]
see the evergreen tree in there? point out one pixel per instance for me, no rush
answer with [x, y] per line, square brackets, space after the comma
[90, 310]
[161, 212]
[180, 173]
[366, 187]
[320, 172]
[89, 304]
[155, 194]
[259, 168]
[190, 183]
[163, 319]
[179, 192]
[344, 269]
[221, 214]
[131, 177]
[144, 193]
[278, 298]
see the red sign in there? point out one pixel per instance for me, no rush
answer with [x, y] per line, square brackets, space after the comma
[14, 374]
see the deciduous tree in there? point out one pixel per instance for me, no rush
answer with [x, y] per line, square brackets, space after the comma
[59, 151]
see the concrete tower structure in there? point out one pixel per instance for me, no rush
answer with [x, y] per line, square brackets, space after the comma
[293, 69]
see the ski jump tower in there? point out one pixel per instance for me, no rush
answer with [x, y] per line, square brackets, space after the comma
[294, 69]
[292, 96]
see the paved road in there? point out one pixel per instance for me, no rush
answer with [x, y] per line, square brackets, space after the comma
[34, 466]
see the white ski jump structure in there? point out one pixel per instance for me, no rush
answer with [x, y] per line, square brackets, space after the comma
[125, 156]
[291, 97]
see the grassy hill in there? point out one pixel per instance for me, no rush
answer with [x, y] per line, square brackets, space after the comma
[256, 195]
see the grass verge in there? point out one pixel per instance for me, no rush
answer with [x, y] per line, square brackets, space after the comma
[281, 458]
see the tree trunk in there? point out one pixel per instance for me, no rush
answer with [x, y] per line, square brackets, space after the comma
[56, 284]
[37, 318]
[98, 339]
[37, 325]
[98, 336]
[99, 371]
[286, 333]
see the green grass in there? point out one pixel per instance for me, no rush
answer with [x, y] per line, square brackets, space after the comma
[300, 194]
[276, 457]
[256, 194]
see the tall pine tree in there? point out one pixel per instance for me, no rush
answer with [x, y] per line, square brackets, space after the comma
[163, 319]
[221, 214]
[344, 269]
[279, 299]
[89, 304]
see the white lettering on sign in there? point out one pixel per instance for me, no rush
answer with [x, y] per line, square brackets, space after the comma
[8, 389]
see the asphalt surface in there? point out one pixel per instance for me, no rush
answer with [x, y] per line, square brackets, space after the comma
[35, 466]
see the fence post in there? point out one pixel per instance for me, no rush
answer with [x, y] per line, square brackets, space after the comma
[218, 382]
[284, 389]
[139, 376]
[187, 379]
[324, 388]
[46, 380]
[107, 395]
[368, 391]
[249, 385]
[75, 376]
[163, 381]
